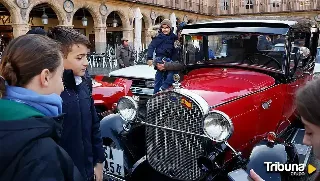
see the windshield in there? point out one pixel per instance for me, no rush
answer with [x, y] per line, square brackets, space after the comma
[239, 48]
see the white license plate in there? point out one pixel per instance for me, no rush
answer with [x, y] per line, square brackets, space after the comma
[114, 161]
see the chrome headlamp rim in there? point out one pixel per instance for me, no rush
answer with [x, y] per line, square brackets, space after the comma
[229, 122]
[135, 104]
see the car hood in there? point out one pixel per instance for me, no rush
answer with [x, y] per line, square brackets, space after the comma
[218, 85]
[136, 71]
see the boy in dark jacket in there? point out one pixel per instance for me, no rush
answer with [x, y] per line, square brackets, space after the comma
[81, 136]
[163, 45]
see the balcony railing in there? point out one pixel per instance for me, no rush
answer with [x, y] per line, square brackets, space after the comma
[194, 6]
[235, 7]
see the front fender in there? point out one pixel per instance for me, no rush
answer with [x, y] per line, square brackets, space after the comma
[107, 94]
[264, 152]
[112, 129]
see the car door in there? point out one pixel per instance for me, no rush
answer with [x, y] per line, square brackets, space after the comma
[300, 75]
[270, 108]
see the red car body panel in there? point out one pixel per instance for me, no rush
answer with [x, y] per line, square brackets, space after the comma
[218, 85]
[107, 94]
[240, 94]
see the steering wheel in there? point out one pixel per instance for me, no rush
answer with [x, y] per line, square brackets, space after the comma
[253, 59]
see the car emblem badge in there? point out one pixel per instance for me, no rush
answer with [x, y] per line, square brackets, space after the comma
[186, 103]
[176, 78]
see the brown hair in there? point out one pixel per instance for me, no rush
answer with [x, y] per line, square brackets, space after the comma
[68, 37]
[308, 102]
[25, 57]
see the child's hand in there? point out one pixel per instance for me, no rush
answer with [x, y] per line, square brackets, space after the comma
[150, 62]
[98, 172]
[255, 176]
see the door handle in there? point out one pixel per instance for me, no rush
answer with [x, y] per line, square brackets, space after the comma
[267, 104]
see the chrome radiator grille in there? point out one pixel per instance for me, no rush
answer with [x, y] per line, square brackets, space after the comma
[173, 136]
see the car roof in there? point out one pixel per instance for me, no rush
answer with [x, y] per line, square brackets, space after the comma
[289, 23]
[267, 25]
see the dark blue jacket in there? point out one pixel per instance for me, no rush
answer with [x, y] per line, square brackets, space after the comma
[28, 146]
[163, 45]
[81, 136]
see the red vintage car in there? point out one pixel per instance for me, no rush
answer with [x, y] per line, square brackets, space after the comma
[234, 107]
[106, 92]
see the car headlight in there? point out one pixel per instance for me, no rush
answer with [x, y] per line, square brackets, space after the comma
[150, 84]
[218, 126]
[127, 108]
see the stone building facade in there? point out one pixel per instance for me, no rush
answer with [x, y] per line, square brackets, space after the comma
[185, 10]
[20, 16]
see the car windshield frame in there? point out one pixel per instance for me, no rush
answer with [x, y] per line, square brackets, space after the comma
[207, 61]
[283, 28]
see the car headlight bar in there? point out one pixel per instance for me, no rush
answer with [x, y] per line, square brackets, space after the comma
[217, 126]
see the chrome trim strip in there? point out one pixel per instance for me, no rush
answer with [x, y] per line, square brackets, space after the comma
[295, 135]
[243, 96]
[170, 129]
[113, 177]
[195, 98]
[142, 159]
[142, 92]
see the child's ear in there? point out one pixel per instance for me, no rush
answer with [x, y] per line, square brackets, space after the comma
[44, 77]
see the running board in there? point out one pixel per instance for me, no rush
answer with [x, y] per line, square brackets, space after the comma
[304, 151]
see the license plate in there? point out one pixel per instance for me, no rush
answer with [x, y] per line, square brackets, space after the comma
[114, 161]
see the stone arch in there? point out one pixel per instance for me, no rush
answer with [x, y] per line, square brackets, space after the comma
[53, 4]
[94, 13]
[123, 17]
[160, 16]
[147, 20]
[13, 10]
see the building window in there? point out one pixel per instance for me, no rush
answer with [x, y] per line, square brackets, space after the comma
[224, 4]
[249, 4]
[275, 3]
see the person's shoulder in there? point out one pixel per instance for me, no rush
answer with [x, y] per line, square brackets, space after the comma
[42, 149]
[160, 36]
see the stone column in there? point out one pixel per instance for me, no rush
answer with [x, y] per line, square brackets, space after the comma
[147, 37]
[19, 29]
[100, 39]
[128, 33]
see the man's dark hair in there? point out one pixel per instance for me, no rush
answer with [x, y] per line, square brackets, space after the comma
[68, 37]
[38, 31]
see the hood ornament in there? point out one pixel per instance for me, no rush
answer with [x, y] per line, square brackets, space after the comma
[176, 79]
